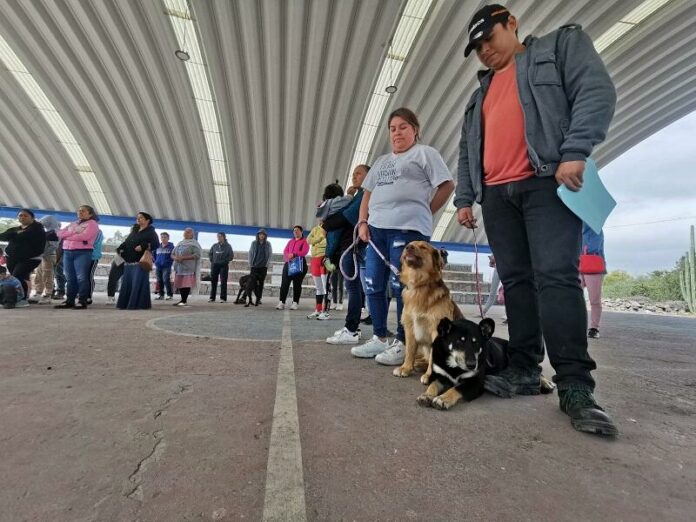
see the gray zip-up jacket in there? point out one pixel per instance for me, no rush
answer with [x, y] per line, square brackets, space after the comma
[568, 101]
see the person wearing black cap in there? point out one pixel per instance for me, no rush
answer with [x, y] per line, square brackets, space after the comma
[542, 106]
[135, 285]
[25, 247]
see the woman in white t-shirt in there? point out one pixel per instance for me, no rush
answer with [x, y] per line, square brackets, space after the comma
[402, 192]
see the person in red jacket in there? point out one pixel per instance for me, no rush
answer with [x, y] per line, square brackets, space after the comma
[297, 247]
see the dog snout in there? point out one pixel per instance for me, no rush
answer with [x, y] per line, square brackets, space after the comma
[470, 365]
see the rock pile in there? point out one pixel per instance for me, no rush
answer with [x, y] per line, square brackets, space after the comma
[643, 304]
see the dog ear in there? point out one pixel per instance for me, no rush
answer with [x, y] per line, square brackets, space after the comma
[444, 327]
[437, 259]
[487, 327]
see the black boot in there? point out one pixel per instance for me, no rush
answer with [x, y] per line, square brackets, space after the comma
[514, 381]
[585, 414]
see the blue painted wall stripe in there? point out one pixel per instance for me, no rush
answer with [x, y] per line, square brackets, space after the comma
[199, 226]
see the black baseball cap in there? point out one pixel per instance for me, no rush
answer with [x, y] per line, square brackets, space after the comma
[482, 24]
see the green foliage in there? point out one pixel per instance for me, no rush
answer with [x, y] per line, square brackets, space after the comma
[660, 285]
[687, 275]
[6, 223]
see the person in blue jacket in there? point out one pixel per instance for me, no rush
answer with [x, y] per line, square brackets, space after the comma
[163, 267]
[345, 222]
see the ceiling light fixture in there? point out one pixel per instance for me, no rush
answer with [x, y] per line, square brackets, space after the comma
[182, 55]
[391, 89]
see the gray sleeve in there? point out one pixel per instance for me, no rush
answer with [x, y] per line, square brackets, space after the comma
[464, 191]
[435, 167]
[252, 251]
[370, 182]
[270, 253]
[590, 92]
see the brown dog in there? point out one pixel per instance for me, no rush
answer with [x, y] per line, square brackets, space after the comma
[426, 302]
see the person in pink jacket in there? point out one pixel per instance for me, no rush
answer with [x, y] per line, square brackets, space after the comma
[296, 248]
[78, 242]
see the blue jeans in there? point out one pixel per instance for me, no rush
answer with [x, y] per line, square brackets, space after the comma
[77, 265]
[60, 277]
[391, 243]
[536, 241]
[354, 289]
[164, 280]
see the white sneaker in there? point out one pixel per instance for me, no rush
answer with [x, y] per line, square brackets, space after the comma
[394, 356]
[339, 306]
[111, 299]
[168, 298]
[359, 332]
[371, 348]
[344, 336]
[280, 305]
[323, 316]
[45, 299]
[181, 303]
[294, 305]
[313, 315]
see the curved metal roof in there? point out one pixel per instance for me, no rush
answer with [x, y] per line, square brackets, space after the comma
[291, 82]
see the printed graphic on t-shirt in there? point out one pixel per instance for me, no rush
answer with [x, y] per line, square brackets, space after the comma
[387, 173]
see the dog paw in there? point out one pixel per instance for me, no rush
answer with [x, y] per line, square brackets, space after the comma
[424, 400]
[402, 372]
[425, 379]
[439, 404]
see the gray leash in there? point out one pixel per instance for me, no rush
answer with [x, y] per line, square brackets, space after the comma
[353, 247]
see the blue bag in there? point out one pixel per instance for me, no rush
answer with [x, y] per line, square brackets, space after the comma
[295, 266]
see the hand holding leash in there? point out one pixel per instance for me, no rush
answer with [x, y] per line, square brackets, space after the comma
[364, 231]
[466, 218]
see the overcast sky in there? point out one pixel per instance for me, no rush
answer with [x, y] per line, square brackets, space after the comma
[653, 182]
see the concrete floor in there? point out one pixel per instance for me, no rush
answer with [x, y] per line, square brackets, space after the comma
[114, 415]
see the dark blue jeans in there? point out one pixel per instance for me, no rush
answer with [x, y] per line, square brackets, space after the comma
[391, 243]
[164, 279]
[77, 265]
[60, 276]
[354, 289]
[536, 241]
[219, 271]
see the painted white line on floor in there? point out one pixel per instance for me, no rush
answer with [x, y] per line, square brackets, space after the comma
[285, 495]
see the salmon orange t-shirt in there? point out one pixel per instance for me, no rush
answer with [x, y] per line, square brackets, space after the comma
[504, 145]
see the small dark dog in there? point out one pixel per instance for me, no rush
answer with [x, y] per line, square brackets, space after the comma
[464, 352]
[247, 288]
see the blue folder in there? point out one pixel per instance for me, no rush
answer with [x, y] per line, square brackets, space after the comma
[592, 203]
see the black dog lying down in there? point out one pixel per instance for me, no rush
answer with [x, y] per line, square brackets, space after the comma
[463, 354]
[247, 288]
